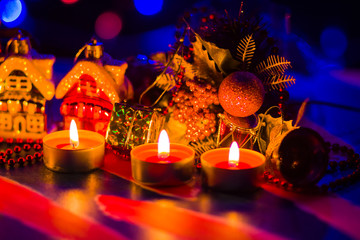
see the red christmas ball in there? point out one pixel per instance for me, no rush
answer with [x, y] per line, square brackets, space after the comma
[241, 94]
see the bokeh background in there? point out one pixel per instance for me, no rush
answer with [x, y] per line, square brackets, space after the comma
[321, 38]
[130, 27]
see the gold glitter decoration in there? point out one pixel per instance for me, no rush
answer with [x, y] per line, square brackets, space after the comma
[109, 79]
[241, 94]
[25, 85]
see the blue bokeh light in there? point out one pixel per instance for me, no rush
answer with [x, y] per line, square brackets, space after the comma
[333, 42]
[12, 12]
[148, 7]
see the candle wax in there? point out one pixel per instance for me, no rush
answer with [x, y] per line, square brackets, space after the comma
[219, 159]
[226, 165]
[169, 159]
[151, 155]
[64, 143]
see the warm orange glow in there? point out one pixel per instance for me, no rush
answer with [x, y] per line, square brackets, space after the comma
[74, 136]
[234, 154]
[163, 145]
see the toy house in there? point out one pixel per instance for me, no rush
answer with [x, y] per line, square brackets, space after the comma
[25, 87]
[90, 89]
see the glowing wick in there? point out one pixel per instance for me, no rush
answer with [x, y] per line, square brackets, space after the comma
[163, 145]
[74, 136]
[234, 155]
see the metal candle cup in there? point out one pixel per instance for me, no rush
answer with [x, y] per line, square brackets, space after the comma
[219, 175]
[174, 170]
[61, 156]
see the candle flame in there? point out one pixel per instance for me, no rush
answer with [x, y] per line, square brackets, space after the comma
[163, 145]
[234, 154]
[74, 136]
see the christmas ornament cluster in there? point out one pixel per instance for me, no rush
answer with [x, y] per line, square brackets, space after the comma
[216, 84]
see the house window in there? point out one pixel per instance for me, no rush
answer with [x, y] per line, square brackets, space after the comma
[87, 85]
[35, 123]
[17, 80]
[5, 121]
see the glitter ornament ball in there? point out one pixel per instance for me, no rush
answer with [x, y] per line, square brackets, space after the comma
[241, 94]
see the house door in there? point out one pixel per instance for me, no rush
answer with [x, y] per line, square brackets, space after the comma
[19, 124]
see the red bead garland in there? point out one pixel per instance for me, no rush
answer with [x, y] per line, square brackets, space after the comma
[352, 162]
[18, 155]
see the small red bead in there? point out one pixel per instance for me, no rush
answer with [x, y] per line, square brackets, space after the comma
[342, 165]
[19, 140]
[11, 162]
[1, 139]
[37, 147]
[21, 160]
[9, 140]
[284, 184]
[27, 147]
[39, 141]
[8, 152]
[29, 158]
[2, 154]
[29, 140]
[2, 161]
[17, 149]
[37, 155]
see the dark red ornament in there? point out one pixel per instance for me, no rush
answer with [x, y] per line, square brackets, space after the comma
[303, 157]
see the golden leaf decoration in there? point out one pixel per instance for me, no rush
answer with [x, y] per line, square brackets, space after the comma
[301, 111]
[246, 49]
[204, 66]
[276, 82]
[273, 65]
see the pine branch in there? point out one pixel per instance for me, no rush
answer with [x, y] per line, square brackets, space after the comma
[276, 82]
[246, 49]
[273, 65]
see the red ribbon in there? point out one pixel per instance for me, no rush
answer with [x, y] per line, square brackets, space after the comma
[42, 214]
[183, 223]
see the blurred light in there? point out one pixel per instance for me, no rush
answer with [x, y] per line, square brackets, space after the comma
[69, 1]
[148, 7]
[108, 25]
[12, 12]
[333, 42]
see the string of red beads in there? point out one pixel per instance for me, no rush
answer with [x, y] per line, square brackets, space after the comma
[17, 152]
[351, 164]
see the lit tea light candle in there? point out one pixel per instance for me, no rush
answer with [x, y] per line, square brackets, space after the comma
[162, 163]
[73, 150]
[232, 169]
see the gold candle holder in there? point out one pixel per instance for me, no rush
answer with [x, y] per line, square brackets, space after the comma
[174, 170]
[218, 174]
[61, 156]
